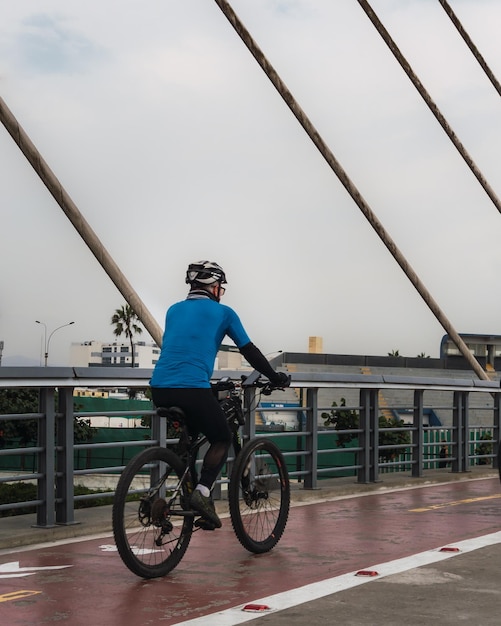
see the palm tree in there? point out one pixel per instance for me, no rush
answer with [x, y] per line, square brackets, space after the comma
[125, 324]
[394, 353]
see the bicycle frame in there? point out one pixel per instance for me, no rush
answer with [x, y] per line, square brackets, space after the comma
[190, 449]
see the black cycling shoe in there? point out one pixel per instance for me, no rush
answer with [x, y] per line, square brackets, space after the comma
[204, 524]
[204, 505]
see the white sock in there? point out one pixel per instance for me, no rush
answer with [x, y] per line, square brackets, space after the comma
[205, 491]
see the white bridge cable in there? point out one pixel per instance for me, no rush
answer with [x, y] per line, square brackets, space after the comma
[430, 103]
[350, 187]
[454, 19]
[83, 228]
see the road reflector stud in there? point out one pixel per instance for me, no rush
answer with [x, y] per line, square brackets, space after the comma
[367, 572]
[255, 608]
[449, 549]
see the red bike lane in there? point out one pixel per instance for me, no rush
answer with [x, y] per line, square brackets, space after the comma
[84, 581]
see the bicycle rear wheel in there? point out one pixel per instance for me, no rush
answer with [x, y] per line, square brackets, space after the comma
[151, 533]
[259, 495]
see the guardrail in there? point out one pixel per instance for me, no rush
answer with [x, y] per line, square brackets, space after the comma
[312, 452]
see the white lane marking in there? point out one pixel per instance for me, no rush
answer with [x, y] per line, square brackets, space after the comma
[137, 551]
[108, 547]
[12, 570]
[314, 591]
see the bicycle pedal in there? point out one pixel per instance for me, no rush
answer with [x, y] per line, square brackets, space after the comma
[204, 524]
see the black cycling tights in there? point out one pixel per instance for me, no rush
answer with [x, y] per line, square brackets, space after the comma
[214, 459]
[203, 415]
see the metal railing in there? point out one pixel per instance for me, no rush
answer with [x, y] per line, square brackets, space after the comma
[312, 452]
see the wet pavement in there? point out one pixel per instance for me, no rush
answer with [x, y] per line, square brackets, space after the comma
[391, 534]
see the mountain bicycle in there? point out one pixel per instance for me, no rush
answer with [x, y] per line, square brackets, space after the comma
[152, 519]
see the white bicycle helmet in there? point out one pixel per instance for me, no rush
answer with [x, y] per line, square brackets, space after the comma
[205, 273]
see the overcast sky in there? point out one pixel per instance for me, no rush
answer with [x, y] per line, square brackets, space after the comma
[176, 147]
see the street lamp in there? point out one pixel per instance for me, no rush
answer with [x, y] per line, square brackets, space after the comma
[47, 340]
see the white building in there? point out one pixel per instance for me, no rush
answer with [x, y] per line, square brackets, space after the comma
[101, 354]
[229, 358]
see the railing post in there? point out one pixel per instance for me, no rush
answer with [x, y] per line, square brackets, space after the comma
[460, 424]
[369, 437]
[456, 429]
[249, 428]
[364, 437]
[374, 435]
[65, 497]
[497, 435]
[158, 434]
[311, 444]
[45, 489]
[417, 438]
[457, 418]
[158, 429]
[466, 432]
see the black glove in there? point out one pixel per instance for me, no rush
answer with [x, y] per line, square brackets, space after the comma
[258, 361]
[281, 379]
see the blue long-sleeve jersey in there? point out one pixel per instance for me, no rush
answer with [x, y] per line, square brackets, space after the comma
[194, 330]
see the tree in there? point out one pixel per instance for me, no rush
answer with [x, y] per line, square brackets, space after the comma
[125, 324]
[348, 419]
[83, 431]
[394, 353]
[484, 448]
[392, 438]
[15, 401]
[19, 401]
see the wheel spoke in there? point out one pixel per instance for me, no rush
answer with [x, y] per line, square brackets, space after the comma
[150, 534]
[259, 495]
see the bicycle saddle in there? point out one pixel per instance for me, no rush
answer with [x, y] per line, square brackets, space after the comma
[172, 413]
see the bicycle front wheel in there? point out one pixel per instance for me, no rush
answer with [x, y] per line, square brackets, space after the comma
[151, 528]
[259, 495]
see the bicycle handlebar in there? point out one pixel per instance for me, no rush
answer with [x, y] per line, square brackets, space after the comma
[267, 387]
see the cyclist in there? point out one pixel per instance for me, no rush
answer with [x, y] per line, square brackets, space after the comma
[194, 330]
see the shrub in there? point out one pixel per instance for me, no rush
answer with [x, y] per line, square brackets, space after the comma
[348, 419]
[484, 448]
[25, 492]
